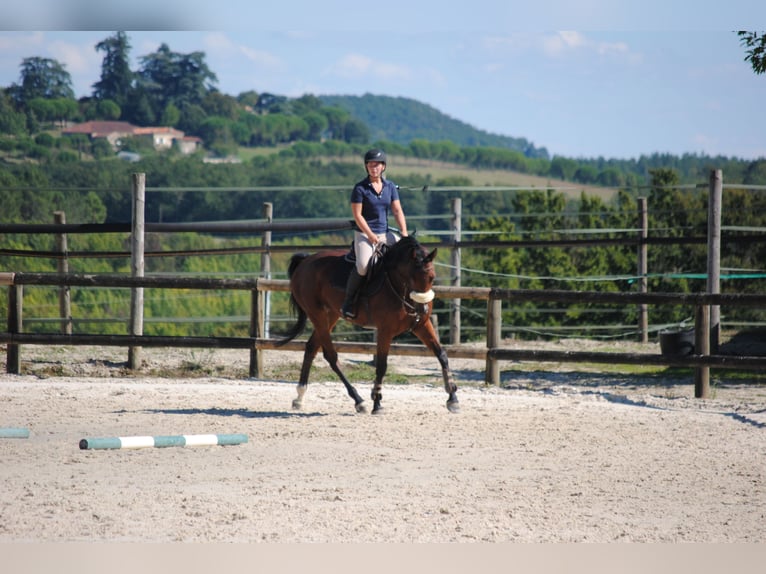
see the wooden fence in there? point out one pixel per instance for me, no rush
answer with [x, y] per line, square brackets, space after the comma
[493, 353]
[138, 227]
[707, 305]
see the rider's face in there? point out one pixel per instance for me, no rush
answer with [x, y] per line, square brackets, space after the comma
[375, 167]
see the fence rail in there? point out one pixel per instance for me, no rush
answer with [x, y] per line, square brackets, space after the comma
[492, 353]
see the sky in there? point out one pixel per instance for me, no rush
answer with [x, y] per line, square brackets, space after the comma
[584, 79]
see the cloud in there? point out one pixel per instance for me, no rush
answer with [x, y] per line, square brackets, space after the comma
[21, 42]
[218, 42]
[219, 45]
[568, 42]
[514, 42]
[78, 59]
[435, 77]
[357, 65]
[557, 45]
[606, 48]
[563, 42]
[704, 142]
[352, 65]
[261, 57]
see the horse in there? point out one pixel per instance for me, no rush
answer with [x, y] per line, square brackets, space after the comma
[396, 297]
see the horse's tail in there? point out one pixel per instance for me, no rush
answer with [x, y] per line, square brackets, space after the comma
[295, 260]
[300, 324]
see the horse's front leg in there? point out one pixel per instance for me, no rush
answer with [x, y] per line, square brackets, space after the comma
[381, 366]
[451, 388]
[426, 333]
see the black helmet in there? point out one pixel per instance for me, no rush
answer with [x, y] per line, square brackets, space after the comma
[375, 155]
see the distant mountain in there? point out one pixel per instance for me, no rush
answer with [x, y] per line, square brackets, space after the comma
[402, 120]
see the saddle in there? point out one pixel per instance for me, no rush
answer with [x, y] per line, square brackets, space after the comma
[373, 281]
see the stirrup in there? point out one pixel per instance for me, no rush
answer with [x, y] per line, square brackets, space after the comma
[348, 311]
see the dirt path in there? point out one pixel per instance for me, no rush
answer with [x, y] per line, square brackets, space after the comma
[550, 457]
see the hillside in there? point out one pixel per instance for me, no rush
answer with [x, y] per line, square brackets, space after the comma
[407, 168]
[402, 120]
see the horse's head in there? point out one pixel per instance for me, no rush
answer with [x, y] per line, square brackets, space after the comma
[414, 266]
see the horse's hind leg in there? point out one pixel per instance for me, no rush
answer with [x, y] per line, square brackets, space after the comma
[309, 353]
[331, 356]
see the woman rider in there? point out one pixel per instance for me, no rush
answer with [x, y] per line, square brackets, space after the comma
[371, 200]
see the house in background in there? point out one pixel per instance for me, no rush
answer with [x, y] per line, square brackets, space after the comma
[189, 144]
[112, 132]
[161, 137]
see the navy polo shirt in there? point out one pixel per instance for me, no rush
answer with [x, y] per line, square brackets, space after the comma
[375, 207]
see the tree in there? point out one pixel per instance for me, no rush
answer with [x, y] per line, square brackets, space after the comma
[108, 110]
[317, 125]
[217, 104]
[139, 110]
[356, 131]
[586, 174]
[755, 44]
[563, 168]
[170, 116]
[271, 103]
[248, 98]
[191, 119]
[53, 109]
[674, 212]
[116, 77]
[610, 177]
[306, 104]
[11, 121]
[168, 77]
[336, 120]
[41, 78]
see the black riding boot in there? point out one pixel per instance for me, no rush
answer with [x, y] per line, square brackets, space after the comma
[352, 286]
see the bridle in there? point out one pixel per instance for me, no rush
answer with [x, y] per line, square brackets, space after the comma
[415, 309]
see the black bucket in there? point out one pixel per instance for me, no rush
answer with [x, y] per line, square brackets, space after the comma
[677, 342]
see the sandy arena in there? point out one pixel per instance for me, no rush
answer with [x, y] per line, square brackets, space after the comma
[554, 455]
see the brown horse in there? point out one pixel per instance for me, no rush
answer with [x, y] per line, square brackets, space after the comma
[397, 297]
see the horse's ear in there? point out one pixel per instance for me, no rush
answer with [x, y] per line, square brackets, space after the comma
[430, 256]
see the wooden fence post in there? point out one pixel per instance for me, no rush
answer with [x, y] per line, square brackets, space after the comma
[268, 215]
[256, 330]
[714, 252]
[702, 347]
[494, 329]
[457, 230]
[15, 305]
[138, 181]
[643, 283]
[62, 266]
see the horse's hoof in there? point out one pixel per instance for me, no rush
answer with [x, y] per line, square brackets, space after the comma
[378, 411]
[360, 408]
[453, 406]
[297, 405]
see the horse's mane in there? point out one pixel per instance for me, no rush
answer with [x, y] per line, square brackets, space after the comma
[401, 249]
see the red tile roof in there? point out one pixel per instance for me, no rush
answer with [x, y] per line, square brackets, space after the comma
[101, 129]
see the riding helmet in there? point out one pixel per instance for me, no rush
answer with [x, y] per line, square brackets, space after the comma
[375, 155]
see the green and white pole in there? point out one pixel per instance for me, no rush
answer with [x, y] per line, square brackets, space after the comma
[133, 442]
